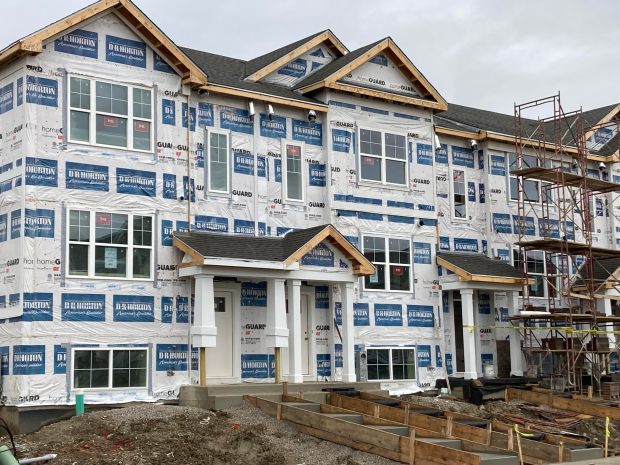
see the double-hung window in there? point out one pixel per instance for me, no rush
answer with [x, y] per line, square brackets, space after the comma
[459, 194]
[391, 364]
[535, 270]
[110, 245]
[392, 260]
[293, 171]
[110, 114]
[383, 157]
[531, 187]
[218, 167]
[109, 368]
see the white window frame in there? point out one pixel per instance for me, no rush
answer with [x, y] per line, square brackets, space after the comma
[92, 119]
[387, 264]
[111, 350]
[383, 158]
[304, 168]
[543, 274]
[92, 244]
[391, 363]
[453, 193]
[208, 161]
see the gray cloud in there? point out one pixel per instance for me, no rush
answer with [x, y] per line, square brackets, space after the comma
[481, 53]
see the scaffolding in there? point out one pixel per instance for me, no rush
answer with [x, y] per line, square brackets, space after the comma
[564, 336]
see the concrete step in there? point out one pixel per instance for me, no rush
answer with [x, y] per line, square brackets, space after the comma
[272, 388]
[497, 459]
[304, 405]
[350, 417]
[394, 429]
[320, 397]
[452, 443]
[472, 422]
[427, 411]
[590, 453]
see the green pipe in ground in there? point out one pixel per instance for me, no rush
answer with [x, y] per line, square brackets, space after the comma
[6, 457]
[79, 405]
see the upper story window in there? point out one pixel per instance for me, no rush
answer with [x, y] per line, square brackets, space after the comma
[110, 245]
[383, 157]
[218, 172]
[459, 194]
[110, 114]
[392, 260]
[536, 270]
[531, 187]
[293, 171]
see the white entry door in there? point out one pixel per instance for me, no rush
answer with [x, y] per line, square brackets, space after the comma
[220, 358]
[305, 342]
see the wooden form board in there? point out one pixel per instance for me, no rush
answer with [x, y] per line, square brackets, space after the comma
[364, 437]
[546, 397]
[475, 437]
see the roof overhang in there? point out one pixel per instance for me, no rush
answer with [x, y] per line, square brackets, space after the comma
[33, 44]
[464, 275]
[431, 97]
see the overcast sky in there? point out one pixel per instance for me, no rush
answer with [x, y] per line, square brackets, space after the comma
[482, 53]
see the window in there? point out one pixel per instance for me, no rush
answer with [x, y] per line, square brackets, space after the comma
[531, 188]
[535, 270]
[293, 172]
[383, 157]
[459, 194]
[110, 245]
[391, 364]
[109, 368]
[110, 114]
[218, 172]
[392, 260]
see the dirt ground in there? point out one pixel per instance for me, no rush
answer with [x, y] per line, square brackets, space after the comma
[154, 434]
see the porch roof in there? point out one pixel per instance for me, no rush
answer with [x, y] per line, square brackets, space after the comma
[479, 267]
[287, 249]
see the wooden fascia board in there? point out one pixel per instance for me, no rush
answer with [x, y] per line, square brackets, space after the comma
[457, 133]
[361, 265]
[353, 89]
[608, 117]
[283, 60]
[197, 258]
[360, 60]
[221, 89]
[418, 75]
[460, 272]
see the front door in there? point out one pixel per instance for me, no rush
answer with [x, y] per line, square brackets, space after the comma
[306, 334]
[220, 358]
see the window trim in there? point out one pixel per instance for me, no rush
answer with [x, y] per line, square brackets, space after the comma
[304, 167]
[92, 113]
[92, 245]
[452, 194]
[229, 168]
[111, 351]
[391, 363]
[383, 158]
[387, 263]
[516, 252]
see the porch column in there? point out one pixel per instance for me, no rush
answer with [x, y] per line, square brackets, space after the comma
[294, 336]
[607, 309]
[204, 331]
[348, 353]
[277, 331]
[516, 358]
[469, 334]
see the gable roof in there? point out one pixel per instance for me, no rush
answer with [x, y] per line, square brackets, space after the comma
[33, 43]
[329, 75]
[603, 269]
[226, 75]
[263, 65]
[479, 267]
[286, 249]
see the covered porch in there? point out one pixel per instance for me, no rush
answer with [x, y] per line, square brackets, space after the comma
[470, 277]
[287, 276]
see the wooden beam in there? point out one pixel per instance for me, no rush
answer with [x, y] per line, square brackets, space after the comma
[283, 60]
[456, 133]
[608, 117]
[221, 89]
[384, 95]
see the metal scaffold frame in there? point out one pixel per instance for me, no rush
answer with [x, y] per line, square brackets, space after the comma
[567, 337]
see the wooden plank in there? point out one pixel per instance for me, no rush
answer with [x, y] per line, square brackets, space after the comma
[437, 454]
[383, 95]
[561, 403]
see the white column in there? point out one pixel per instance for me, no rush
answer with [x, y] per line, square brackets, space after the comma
[203, 330]
[348, 352]
[277, 331]
[294, 337]
[516, 357]
[333, 335]
[608, 312]
[469, 334]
